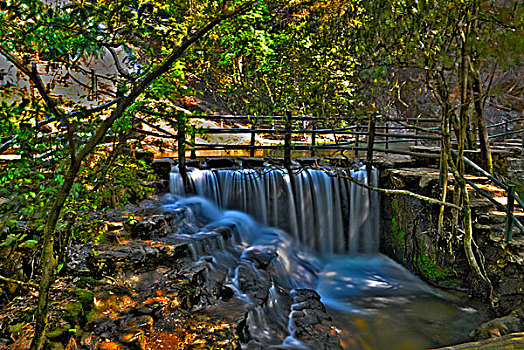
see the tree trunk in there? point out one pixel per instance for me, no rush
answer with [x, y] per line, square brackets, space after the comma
[444, 165]
[486, 161]
[48, 258]
[476, 89]
[459, 173]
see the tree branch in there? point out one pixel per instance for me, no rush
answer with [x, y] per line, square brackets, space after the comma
[95, 109]
[402, 192]
[118, 66]
[11, 280]
[138, 89]
[35, 78]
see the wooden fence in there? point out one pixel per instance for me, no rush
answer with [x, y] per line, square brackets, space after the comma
[367, 134]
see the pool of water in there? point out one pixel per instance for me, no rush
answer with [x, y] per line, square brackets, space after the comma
[376, 304]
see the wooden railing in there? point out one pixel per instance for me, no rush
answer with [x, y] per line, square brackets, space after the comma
[367, 134]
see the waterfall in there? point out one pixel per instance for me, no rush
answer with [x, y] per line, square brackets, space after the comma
[324, 210]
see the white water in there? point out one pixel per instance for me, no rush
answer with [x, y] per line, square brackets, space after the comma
[375, 303]
[326, 212]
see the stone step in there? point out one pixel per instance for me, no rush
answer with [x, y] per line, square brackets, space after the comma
[492, 190]
[510, 341]
[496, 233]
[513, 142]
[497, 217]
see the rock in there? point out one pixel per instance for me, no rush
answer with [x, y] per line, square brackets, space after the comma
[507, 342]
[56, 345]
[498, 327]
[111, 345]
[134, 338]
[254, 283]
[221, 162]
[88, 341]
[57, 332]
[141, 322]
[194, 163]
[308, 161]
[85, 297]
[159, 225]
[310, 321]
[261, 259]
[145, 156]
[162, 168]
[252, 162]
[74, 312]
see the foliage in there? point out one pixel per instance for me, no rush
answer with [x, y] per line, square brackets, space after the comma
[56, 168]
[289, 57]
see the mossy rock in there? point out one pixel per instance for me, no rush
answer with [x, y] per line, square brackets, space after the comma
[85, 297]
[84, 282]
[58, 332]
[56, 345]
[91, 316]
[74, 312]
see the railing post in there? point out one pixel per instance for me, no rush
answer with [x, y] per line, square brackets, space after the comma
[371, 142]
[522, 148]
[287, 140]
[253, 134]
[506, 128]
[313, 142]
[357, 141]
[193, 142]
[387, 137]
[416, 139]
[182, 149]
[94, 85]
[509, 214]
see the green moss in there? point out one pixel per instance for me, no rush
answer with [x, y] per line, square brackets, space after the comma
[73, 312]
[397, 237]
[86, 282]
[433, 272]
[85, 297]
[57, 332]
[17, 328]
[91, 316]
[55, 345]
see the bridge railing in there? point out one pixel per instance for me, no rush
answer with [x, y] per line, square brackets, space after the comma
[365, 134]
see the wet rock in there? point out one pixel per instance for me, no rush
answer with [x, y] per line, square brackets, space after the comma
[261, 259]
[85, 297]
[308, 161]
[136, 255]
[311, 323]
[88, 341]
[252, 162]
[111, 345]
[141, 322]
[506, 342]
[159, 225]
[498, 327]
[145, 156]
[55, 345]
[254, 283]
[133, 338]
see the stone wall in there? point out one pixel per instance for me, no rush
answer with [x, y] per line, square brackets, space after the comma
[409, 235]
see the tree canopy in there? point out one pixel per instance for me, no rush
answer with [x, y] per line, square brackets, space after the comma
[325, 58]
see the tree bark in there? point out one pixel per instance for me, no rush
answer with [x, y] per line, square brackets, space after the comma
[486, 161]
[48, 258]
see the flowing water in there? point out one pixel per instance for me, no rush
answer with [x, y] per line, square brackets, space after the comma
[323, 230]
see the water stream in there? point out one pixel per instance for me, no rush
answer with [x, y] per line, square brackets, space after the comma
[323, 230]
